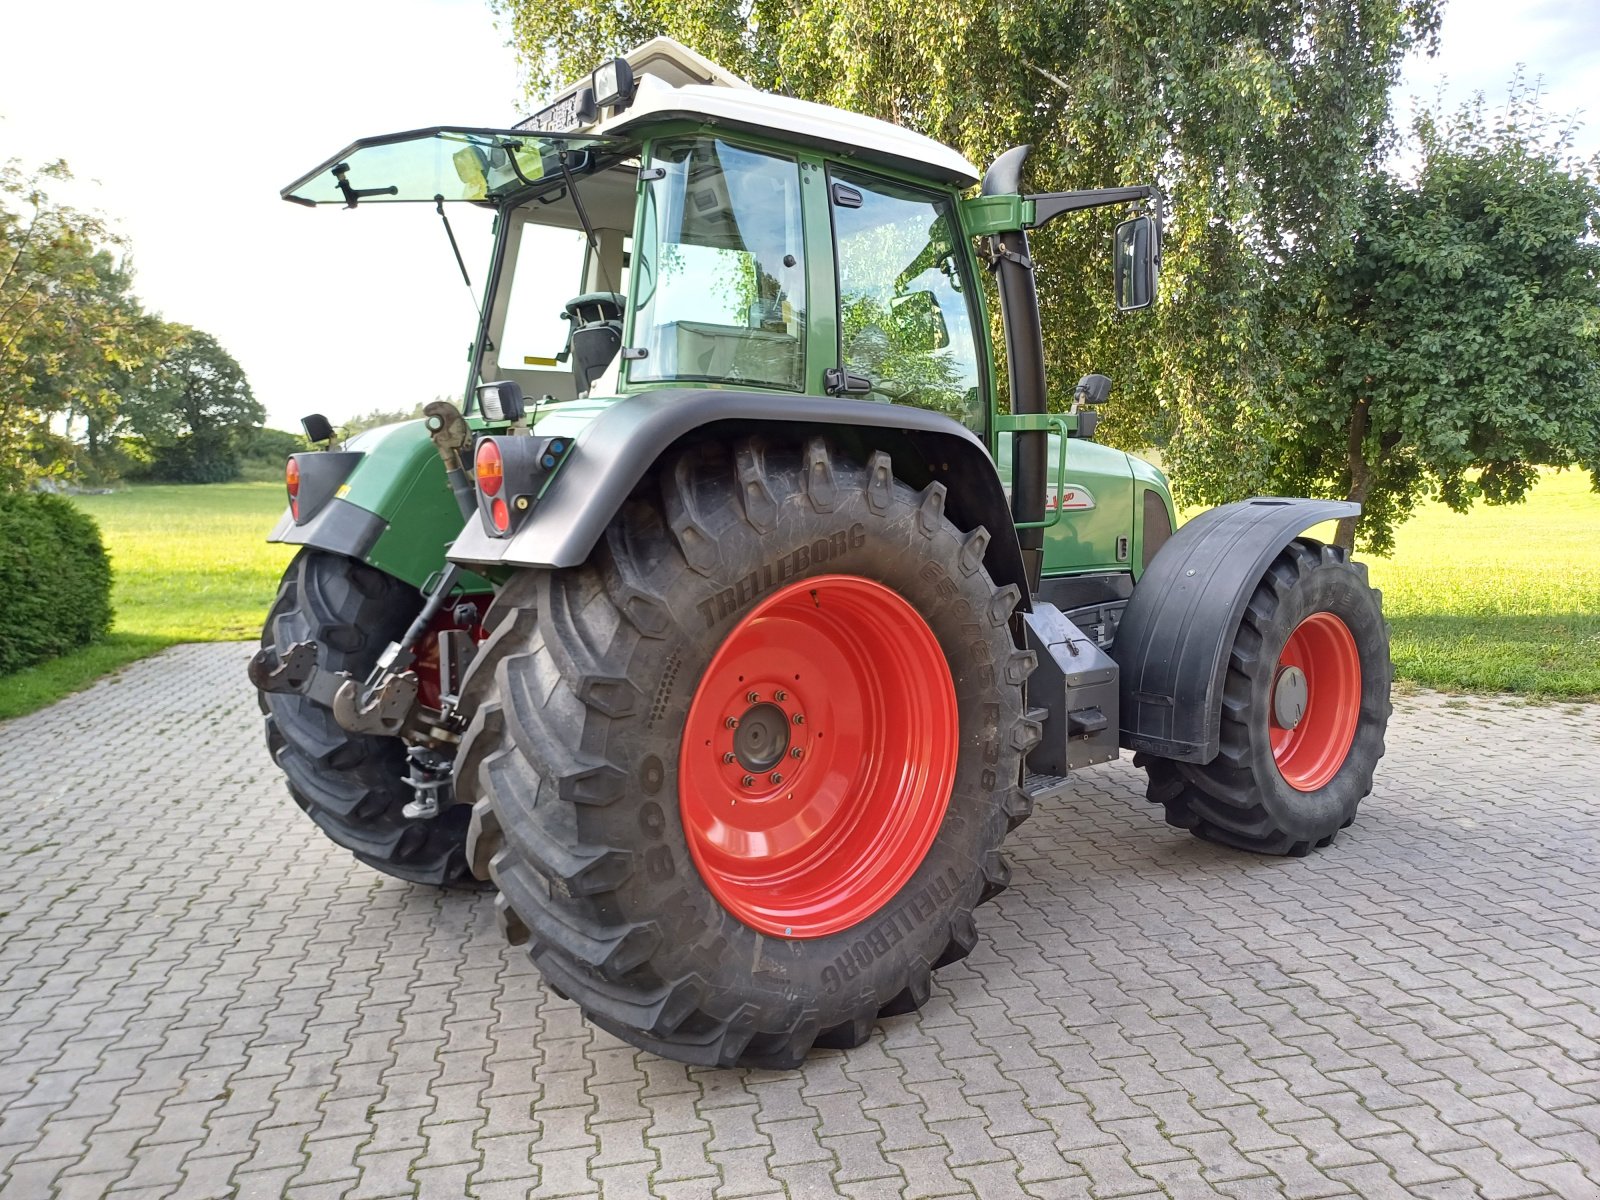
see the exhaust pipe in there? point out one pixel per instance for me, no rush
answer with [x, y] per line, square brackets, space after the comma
[1019, 308]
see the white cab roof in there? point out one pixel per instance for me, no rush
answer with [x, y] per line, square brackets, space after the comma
[674, 81]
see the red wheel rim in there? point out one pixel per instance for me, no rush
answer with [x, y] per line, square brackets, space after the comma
[845, 671]
[1311, 752]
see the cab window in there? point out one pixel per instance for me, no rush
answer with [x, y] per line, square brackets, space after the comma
[719, 268]
[550, 262]
[905, 300]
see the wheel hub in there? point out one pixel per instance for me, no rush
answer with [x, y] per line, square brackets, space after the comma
[1289, 695]
[818, 756]
[761, 738]
[1316, 702]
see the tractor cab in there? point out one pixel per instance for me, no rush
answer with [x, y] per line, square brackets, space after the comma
[662, 223]
[661, 226]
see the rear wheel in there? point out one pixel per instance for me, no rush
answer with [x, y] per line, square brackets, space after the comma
[1304, 710]
[742, 778]
[353, 785]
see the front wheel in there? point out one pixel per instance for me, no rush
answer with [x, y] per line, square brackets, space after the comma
[743, 777]
[1304, 710]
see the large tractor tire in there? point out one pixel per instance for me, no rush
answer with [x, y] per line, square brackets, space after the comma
[1304, 710]
[743, 777]
[353, 785]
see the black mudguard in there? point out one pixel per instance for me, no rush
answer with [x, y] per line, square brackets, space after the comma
[611, 456]
[338, 527]
[327, 521]
[1172, 645]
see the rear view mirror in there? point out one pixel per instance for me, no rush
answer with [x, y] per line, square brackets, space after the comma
[919, 324]
[1136, 253]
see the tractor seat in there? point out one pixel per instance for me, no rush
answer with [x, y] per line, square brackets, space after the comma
[594, 334]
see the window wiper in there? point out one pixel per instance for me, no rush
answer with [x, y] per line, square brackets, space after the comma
[438, 207]
[354, 195]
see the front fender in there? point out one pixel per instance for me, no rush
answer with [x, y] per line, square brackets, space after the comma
[613, 453]
[384, 500]
[1172, 645]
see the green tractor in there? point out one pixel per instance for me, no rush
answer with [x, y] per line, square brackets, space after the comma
[730, 624]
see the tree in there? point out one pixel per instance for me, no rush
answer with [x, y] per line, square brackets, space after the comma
[1456, 342]
[194, 408]
[382, 416]
[72, 334]
[1256, 118]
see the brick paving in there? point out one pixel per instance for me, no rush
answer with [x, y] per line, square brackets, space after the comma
[200, 997]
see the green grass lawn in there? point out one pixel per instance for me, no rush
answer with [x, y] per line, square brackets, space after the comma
[1499, 600]
[189, 565]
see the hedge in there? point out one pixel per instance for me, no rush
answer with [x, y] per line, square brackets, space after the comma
[55, 579]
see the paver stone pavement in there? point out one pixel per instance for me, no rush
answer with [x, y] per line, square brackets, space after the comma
[201, 997]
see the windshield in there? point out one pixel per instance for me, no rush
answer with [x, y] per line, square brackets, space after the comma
[721, 277]
[434, 164]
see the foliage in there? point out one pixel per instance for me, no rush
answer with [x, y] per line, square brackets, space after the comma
[195, 408]
[55, 579]
[273, 445]
[380, 416]
[1456, 344]
[1256, 118]
[71, 331]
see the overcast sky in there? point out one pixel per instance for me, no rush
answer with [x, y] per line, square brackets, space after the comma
[183, 118]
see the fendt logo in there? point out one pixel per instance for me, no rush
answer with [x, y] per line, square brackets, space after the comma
[1073, 497]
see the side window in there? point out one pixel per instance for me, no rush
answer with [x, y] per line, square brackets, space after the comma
[719, 271]
[905, 312]
[549, 268]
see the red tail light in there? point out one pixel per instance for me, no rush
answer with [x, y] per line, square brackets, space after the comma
[512, 473]
[490, 469]
[291, 482]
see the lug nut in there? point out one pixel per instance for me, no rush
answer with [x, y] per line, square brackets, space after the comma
[728, 757]
[775, 777]
[752, 697]
[799, 718]
[797, 753]
[732, 722]
[780, 695]
[748, 781]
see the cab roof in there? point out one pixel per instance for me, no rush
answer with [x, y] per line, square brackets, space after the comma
[674, 82]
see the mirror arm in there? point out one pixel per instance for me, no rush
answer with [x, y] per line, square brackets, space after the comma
[1047, 206]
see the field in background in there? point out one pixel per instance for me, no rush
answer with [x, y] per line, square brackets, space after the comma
[1502, 599]
[189, 565]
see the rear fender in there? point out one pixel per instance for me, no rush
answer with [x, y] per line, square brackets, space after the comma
[617, 449]
[1172, 645]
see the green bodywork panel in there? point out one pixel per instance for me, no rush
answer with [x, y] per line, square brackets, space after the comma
[401, 478]
[984, 215]
[1104, 502]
